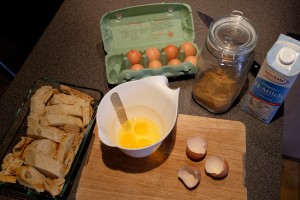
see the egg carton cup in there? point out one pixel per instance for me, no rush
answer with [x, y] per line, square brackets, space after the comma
[141, 27]
[119, 68]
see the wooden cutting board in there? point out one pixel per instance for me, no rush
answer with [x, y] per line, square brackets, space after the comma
[110, 174]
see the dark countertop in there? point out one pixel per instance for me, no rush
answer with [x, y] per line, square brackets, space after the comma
[71, 50]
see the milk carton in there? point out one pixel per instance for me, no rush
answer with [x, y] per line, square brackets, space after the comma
[274, 80]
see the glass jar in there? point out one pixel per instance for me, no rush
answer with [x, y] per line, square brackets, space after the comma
[224, 62]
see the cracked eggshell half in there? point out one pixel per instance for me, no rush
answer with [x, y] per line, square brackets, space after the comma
[190, 176]
[216, 167]
[196, 148]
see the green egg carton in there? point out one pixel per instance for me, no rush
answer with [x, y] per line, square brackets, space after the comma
[141, 27]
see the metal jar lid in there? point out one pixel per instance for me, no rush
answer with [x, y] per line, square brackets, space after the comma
[232, 37]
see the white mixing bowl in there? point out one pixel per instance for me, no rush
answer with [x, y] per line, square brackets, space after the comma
[149, 97]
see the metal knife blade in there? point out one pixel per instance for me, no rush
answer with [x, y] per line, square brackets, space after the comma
[207, 20]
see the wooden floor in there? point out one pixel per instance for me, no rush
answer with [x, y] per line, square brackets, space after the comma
[290, 180]
[290, 170]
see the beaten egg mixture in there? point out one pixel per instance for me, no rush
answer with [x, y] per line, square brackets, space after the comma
[138, 133]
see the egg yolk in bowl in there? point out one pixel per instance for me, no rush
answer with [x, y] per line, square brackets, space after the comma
[139, 132]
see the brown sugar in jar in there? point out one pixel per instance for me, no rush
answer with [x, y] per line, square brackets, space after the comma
[215, 89]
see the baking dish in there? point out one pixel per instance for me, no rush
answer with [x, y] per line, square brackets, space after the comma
[18, 128]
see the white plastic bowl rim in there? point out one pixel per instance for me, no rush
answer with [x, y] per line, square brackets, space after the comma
[151, 92]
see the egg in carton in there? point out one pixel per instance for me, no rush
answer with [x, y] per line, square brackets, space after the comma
[149, 40]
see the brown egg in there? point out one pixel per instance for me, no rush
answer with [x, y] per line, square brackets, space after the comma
[137, 67]
[196, 148]
[154, 64]
[171, 51]
[189, 49]
[191, 59]
[190, 176]
[152, 53]
[216, 167]
[174, 62]
[134, 56]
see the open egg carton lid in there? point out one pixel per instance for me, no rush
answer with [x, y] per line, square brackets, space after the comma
[141, 27]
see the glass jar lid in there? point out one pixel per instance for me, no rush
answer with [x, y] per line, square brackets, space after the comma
[232, 36]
